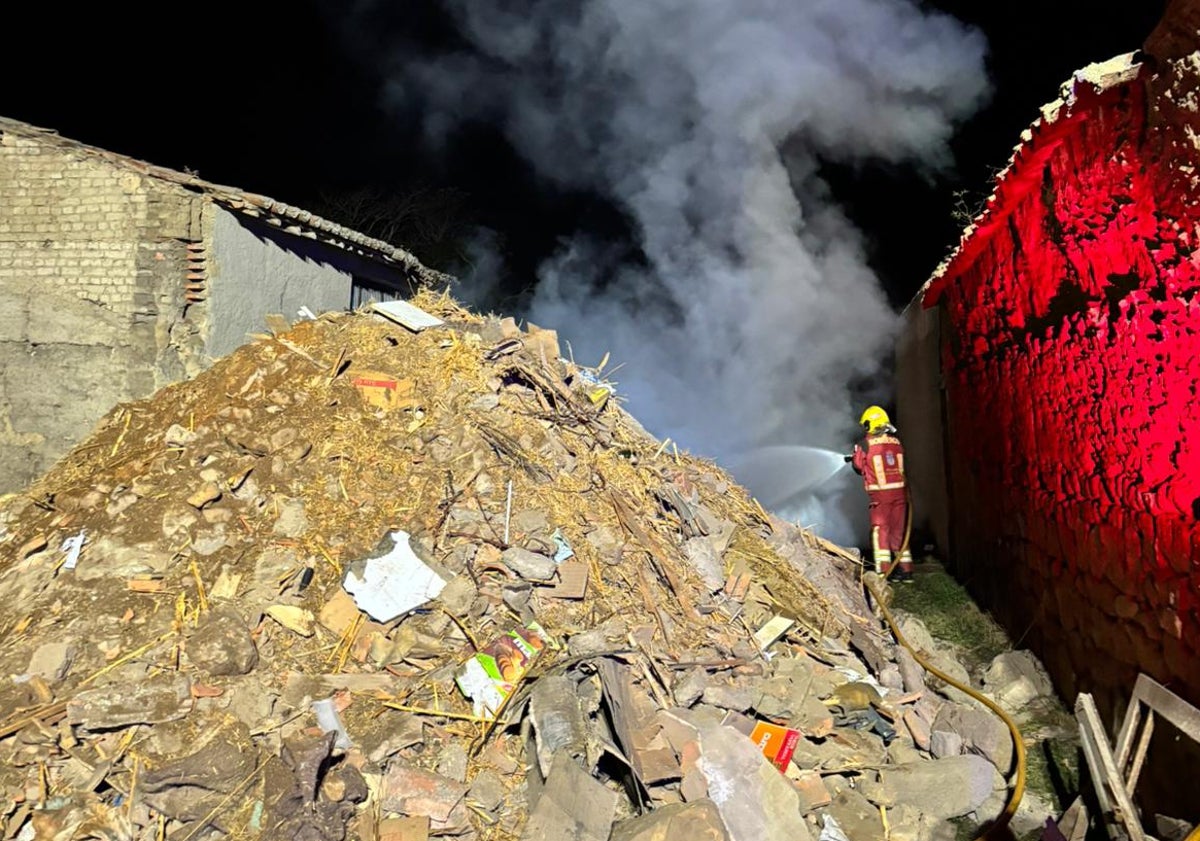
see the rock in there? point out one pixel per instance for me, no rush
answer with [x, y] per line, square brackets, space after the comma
[573, 805]
[339, 613]
[178, 436]
[108, 557]
[453, 762]
[608, 543]
[345, 784]
[458, 595]
[188, 787]
[696, 821]
[214, 515]
[559, 724]
[981, 731]
[295, 619]
[211, 543]
[1015, 678]
[152, 700]
[32, 546]
[891, 678]
[911, 671]
[51, 661]
[775, 698]
[292, 521]
[487, 791]
[281, 438]
[814, 718]
[943, 743]
[915, 633]
[516, 597]
[756, 802]
[906, 824]
[812, 791]
[729, 696]
[857, 816]
[943, 788]
[529, 565]
[206, 494]
[919, 728]
[946, 663]
[411, 790]
[221, 644]
[689, 686]
[701, 553]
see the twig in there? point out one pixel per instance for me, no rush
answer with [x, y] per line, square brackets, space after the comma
[507, 512]
[470, 638]
[439, 713]
[123, 660]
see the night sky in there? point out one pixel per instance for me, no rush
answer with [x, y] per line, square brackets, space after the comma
[265, 95]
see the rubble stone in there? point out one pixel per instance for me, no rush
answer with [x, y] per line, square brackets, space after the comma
[729, 696]
[292, 521]
[811, 788]
[856, 815]
[487, 790]
[944, 743]
[689, 686]
[221, 643]
[529, 565]
[151, 700]
[458, 595]
[412, 790]
[1016, 678]
[52, 661]
[981, 731]
[696, 821]
[204, 495]
[453, 762]
[943, 788]
[910, 671]
[756, 802]
[919, 728]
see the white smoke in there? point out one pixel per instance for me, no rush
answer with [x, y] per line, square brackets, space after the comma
[705, 120]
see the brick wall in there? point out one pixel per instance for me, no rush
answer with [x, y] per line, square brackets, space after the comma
[92, 261]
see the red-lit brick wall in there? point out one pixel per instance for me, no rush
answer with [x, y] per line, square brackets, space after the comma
[1071, 363]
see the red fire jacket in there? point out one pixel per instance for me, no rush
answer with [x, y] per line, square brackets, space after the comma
[881, 463]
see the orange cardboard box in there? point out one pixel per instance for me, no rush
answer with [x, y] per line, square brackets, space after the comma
[777, 743]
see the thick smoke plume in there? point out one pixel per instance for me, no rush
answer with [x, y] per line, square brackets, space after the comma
[749, 305]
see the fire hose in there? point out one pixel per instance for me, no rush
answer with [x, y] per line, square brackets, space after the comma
[1018, 786]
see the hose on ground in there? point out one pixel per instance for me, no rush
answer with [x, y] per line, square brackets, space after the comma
[1018, 787]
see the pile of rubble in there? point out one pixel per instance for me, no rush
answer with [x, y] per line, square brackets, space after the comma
[361, 580]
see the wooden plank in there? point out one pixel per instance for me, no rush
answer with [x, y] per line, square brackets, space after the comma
[1110, 785]
[1169, 705]
[1139, 757]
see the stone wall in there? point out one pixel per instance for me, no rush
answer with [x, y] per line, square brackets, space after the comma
[1071, 357]
[92, 310]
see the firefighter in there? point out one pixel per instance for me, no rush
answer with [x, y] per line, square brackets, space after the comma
[881, 462]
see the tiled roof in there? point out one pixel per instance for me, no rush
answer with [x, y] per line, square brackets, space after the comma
[284, 216]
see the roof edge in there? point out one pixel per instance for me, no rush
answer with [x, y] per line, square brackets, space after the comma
[244, 202]
[1085, 84]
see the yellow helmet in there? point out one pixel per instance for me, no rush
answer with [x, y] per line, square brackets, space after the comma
[873, 418]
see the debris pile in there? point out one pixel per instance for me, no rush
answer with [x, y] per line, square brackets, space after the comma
[367, 580]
